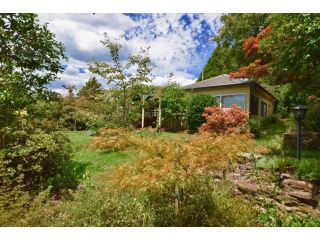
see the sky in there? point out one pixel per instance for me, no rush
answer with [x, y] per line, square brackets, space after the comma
[179, 43]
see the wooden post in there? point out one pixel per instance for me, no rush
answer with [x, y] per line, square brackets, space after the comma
[159, 114]
[142, 114]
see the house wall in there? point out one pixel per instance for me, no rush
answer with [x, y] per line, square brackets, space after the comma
[227, 90]
[263, 96]
[241, 89]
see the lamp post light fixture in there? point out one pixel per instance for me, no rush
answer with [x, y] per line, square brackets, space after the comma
[299, 113]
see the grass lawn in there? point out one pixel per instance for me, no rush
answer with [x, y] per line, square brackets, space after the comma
[88, 161]
[272, 137]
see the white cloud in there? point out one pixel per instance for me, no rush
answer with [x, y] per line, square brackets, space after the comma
[173, 44]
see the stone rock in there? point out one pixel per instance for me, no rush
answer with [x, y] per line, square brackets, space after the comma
[296, 198]
[293, 184]
[309, 140]
[268, 189]
[246, 187]
[285, 176]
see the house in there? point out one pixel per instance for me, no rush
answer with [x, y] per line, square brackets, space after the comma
[246, 93]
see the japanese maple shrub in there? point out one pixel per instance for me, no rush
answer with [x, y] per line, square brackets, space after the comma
[224, 121]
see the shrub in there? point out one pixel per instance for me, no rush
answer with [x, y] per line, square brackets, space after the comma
[255, 127]
[283, 114]
[88, 208]
[308, 169]
[161, 158]
[266, 121]
[197, 201]
[312, 120]
[195, 109]
[112, 139]
[35, 156]
[173, 106]
[219, 120]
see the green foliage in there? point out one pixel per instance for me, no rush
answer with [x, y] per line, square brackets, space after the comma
[264, 125]
[91, 88]
[228, 55]
[173, 106]
[222, 61]
[294, 47]
[273, 218]
[116, 73]
[255, 127]
[308, 169]
[90, 208]
[268, 120]
[33, 157]
[312, 119]
[195, 109]
[26, 65]
[197, 201]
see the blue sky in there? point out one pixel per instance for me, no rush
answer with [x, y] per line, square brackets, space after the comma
[179, 43]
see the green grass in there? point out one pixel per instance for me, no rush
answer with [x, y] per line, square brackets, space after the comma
[274, 131]
[88, 161]
[278, 159]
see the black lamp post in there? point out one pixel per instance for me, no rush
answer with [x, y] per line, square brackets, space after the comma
[299, 113]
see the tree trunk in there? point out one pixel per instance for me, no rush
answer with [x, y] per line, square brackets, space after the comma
[142, 114]
[124, 107]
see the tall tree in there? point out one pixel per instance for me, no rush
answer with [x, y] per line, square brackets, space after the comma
[91, 88]
[294, 45]
[286, 52]
[29, 60]
[173, 105]
[124, 77]
[228, 55]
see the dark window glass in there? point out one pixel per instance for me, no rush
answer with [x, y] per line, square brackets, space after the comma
[254, 105]
[263, 109]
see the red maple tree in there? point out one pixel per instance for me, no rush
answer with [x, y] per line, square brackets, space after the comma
[259, 66]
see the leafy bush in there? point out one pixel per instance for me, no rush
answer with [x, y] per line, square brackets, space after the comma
[113, 139]
[219, 120]
[205, 153]
[266, 121]
[255, 127]
[195, 109]
[283, 114]
[312, 120]
[197, 201]
[95, 207]
[173, 106]
[34, 156]
[307, 169]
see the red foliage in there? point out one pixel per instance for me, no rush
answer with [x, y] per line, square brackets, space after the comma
[224, 121]
[258, 67]
[253, 70]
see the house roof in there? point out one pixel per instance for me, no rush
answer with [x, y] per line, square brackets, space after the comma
[225, 80]
[221, 80]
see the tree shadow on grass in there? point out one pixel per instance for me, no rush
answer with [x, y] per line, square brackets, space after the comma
[70, 175]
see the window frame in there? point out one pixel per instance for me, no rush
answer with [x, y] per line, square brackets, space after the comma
[233, 94]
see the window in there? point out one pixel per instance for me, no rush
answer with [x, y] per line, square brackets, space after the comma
[218, 99]
[228, 100]
[254, 105]
[263, 110]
